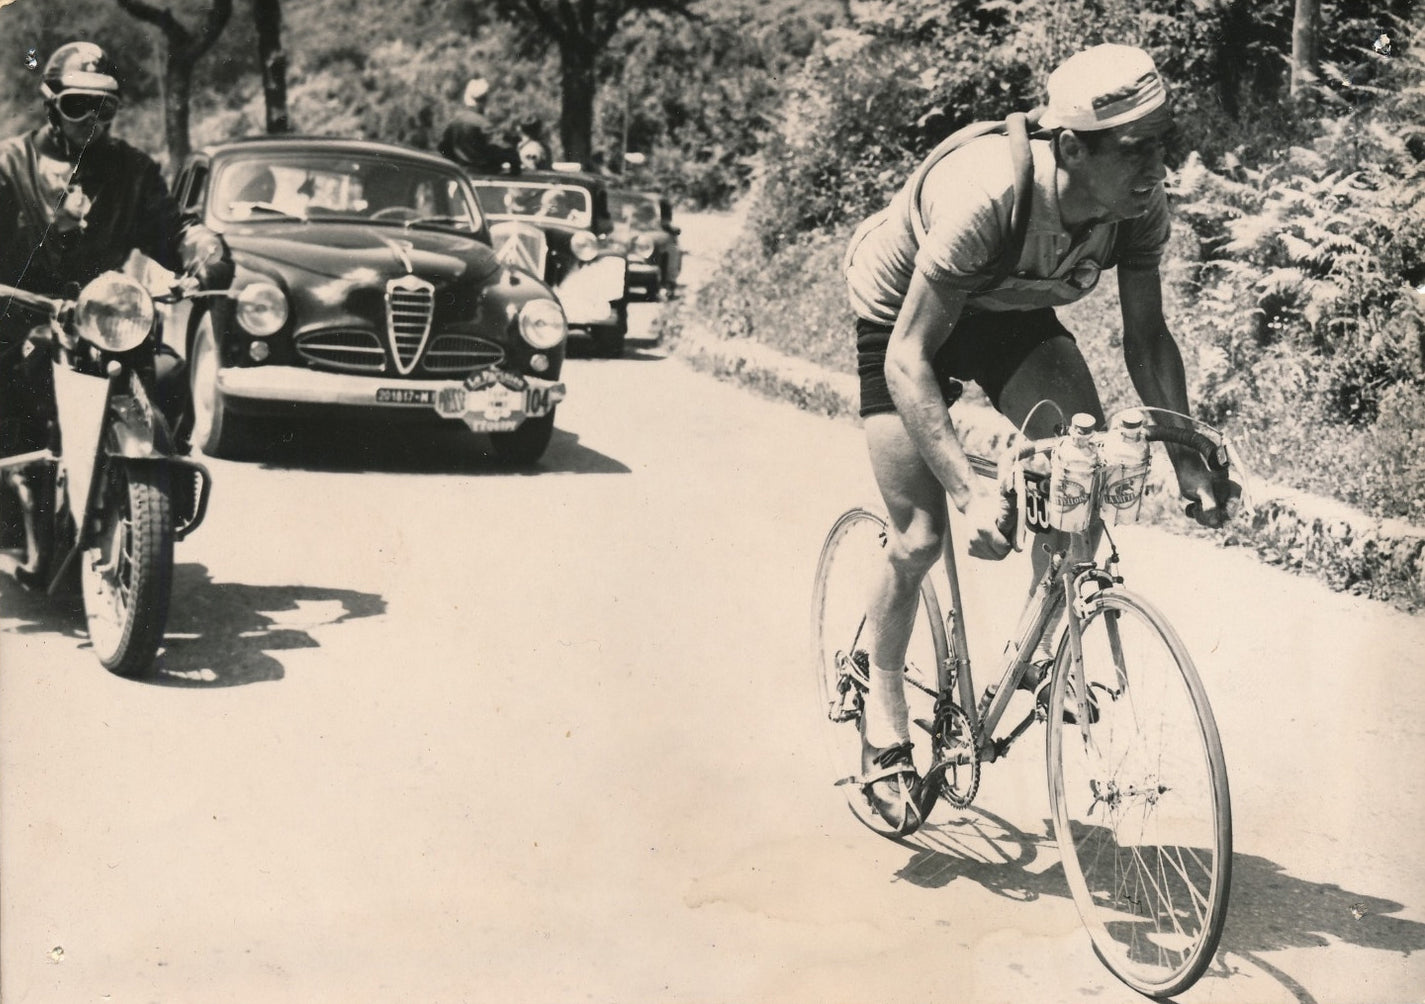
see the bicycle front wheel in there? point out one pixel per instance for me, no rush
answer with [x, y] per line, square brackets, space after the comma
[851, 559]
[1138, 787]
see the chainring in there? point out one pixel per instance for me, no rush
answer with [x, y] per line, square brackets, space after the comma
[955, 740]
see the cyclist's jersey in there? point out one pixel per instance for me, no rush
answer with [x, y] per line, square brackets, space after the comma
[966, 203]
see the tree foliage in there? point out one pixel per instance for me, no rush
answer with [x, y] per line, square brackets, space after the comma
[579, 31]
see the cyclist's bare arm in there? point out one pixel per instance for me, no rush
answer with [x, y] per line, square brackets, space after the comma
[1156, 367]
[926, 318]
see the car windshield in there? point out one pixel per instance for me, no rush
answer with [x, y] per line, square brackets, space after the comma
[568, 203]
[634, 210]
[317, 185]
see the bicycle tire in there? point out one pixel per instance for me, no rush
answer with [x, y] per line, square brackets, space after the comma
[849, 554]
[1141, 808]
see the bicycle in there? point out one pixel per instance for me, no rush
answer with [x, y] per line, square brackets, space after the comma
[1137, 780]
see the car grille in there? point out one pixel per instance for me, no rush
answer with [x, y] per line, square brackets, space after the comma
[347, 351]
[461, 354]
[410, 302]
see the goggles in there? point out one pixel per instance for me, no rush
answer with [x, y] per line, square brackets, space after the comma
[77, 106]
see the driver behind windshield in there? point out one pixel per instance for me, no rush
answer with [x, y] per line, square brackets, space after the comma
[75, 202]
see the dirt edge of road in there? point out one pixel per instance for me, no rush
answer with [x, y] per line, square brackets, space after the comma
[1348, 550]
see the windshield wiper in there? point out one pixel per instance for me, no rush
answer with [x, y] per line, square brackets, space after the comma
[267, 207]
[449, 221]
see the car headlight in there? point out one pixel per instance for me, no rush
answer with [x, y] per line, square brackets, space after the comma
[584, 245]
[643, 246]
[542, 323]
[114, 312]
[262, 309]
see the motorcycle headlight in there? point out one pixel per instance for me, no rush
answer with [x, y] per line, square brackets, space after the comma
[542, 323]
[262, 309]
[584, 245]
[643, 246]
[114, 312]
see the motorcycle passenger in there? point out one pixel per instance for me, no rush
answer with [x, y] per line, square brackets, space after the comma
[75, 202]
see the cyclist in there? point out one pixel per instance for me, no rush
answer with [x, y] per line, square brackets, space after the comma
[75, 202]
[934, 311]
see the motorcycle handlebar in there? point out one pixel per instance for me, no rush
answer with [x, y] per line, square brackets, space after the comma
[36, 301]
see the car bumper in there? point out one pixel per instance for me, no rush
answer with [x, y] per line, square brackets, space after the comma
[488, 401]
[644, 278]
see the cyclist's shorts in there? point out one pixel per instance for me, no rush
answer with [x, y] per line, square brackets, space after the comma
[986, 347]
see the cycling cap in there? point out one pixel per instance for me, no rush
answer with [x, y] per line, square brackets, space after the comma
[475, 89]
[1103, 87]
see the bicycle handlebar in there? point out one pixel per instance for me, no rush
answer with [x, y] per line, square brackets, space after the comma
[1214, 453]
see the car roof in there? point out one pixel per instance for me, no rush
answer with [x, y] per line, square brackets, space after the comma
[329, 144]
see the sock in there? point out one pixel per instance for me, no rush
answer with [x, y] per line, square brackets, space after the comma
[886, 715]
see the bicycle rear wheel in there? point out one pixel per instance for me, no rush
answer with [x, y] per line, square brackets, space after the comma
[1138, 787]
[850, 558]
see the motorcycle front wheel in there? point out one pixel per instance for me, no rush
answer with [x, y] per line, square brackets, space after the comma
[128, 572]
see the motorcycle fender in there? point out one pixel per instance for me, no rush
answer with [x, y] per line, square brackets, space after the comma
[189, 487]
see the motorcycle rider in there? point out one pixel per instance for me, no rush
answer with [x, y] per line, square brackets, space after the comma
[75, 202]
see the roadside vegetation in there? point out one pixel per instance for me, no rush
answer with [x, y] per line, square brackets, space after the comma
[1296, 280]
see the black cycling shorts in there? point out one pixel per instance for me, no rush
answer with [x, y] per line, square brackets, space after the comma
[987, 348]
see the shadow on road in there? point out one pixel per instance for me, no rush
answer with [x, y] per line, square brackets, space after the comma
[1269, 910]
[349, 449]
[642, 350]
[36, 613]
[220, 633]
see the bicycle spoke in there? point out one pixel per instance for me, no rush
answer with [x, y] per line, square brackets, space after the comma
[1140, 805]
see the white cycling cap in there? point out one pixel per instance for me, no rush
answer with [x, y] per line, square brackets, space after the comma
[476, 89]
[1103, 87]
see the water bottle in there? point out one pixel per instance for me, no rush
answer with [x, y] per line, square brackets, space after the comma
[1072, 475]
[1125, 476]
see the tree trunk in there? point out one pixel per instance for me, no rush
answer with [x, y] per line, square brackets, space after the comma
[184, 50]
[1304, 58]
[177, 91]
[267, 16]
[577, 83]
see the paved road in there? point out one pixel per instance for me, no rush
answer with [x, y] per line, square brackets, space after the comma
[426, 731]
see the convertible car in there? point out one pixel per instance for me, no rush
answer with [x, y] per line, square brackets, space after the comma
[366, 287]
[556, 225]
[644, 220]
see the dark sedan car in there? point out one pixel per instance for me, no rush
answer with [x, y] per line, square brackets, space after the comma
[644, 220]
[557, 226]
[366, 287]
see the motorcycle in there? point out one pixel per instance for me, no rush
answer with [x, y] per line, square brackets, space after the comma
[100, 504]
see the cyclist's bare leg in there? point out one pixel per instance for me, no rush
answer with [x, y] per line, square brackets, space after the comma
[1054, 371]
[918, 516]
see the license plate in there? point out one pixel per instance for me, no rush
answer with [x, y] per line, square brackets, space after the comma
[403, 395]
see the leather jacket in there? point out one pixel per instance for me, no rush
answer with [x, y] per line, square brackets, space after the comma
[124, 204]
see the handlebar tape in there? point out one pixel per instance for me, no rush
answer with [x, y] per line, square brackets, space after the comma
[1214, 453]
